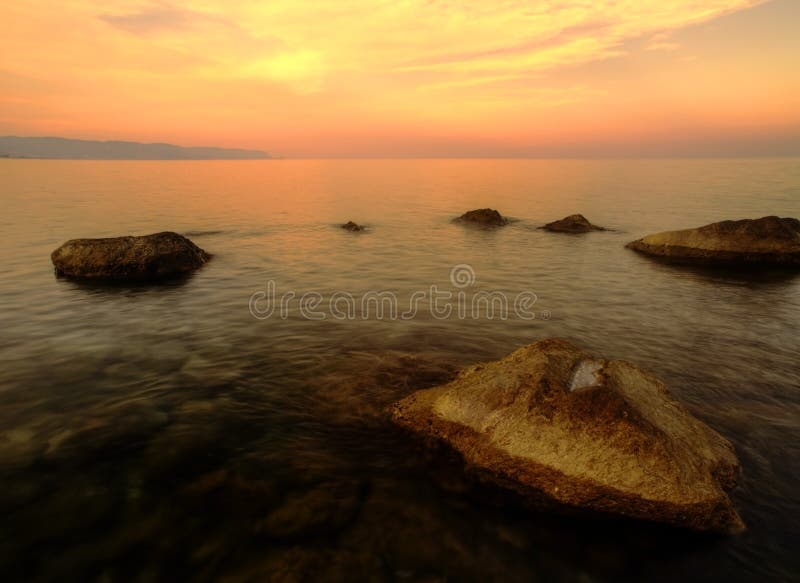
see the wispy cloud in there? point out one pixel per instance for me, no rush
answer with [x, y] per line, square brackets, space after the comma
[158, 18]
[465, 42]
[662, 42]
[171, 18]
[548, 40]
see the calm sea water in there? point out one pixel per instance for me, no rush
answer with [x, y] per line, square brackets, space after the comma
[155, 433]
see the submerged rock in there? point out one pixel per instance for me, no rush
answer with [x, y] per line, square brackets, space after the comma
[768, 240]
[324, 509]
[572, 224]
[353, 227]
[601, 435]
[104, 431]
[125, 258]
[482, 217]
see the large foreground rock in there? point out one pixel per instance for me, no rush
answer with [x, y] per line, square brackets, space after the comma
[572, 224]
[482, 218]
[148, 257]
[601, 435]
[768, 240]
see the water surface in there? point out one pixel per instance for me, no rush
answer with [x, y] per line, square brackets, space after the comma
[159, 432]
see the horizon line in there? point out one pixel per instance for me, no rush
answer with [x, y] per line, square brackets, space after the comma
[278, 158]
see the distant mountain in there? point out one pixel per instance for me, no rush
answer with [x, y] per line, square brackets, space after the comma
[66, 149]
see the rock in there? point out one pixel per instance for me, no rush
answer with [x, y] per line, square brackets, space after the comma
[193, 443]
[768, 240]
[353, 227]
[572, 224]
[323, 510]
[236, 493]
[19, 447]
[482, 218]
[78, 503]
[104, 431]
[128, 258]
[552, 421]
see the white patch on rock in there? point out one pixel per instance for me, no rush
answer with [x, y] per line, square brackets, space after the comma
[586, 375]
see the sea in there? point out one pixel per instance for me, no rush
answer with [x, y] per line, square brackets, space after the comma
[232, 425]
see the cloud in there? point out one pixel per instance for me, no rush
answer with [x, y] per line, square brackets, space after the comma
[543, 42]
[283, 67]
[661, 42]
[300, 70]
[464, 44]
[149, 21]
[509, 38]
[159, 18]
[663, 46]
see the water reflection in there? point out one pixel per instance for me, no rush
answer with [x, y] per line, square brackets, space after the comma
[132, 287]
[752, 275]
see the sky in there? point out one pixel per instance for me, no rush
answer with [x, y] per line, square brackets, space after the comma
[409, 78]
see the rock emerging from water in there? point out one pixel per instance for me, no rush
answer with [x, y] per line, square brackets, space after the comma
[353, 227]
[601, 435]
[154, 256]
[768, 240]
[572, 224]
[482, 218]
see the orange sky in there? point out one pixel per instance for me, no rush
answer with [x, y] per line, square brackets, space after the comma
[409, 77]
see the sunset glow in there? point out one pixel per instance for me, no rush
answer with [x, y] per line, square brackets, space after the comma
[408, 78]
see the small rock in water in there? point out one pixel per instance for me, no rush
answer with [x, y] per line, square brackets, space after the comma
[482, 217]
[19, 447]
[353, 227]
[104, 431]
[324, 509]
[572, 224]
[148, 257]
[768, 241]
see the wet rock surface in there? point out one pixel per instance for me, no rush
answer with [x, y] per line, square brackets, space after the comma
[482, 218]
[572, 224]
[148, 257]
[592, 434]
[353, 227]
[766, 241]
